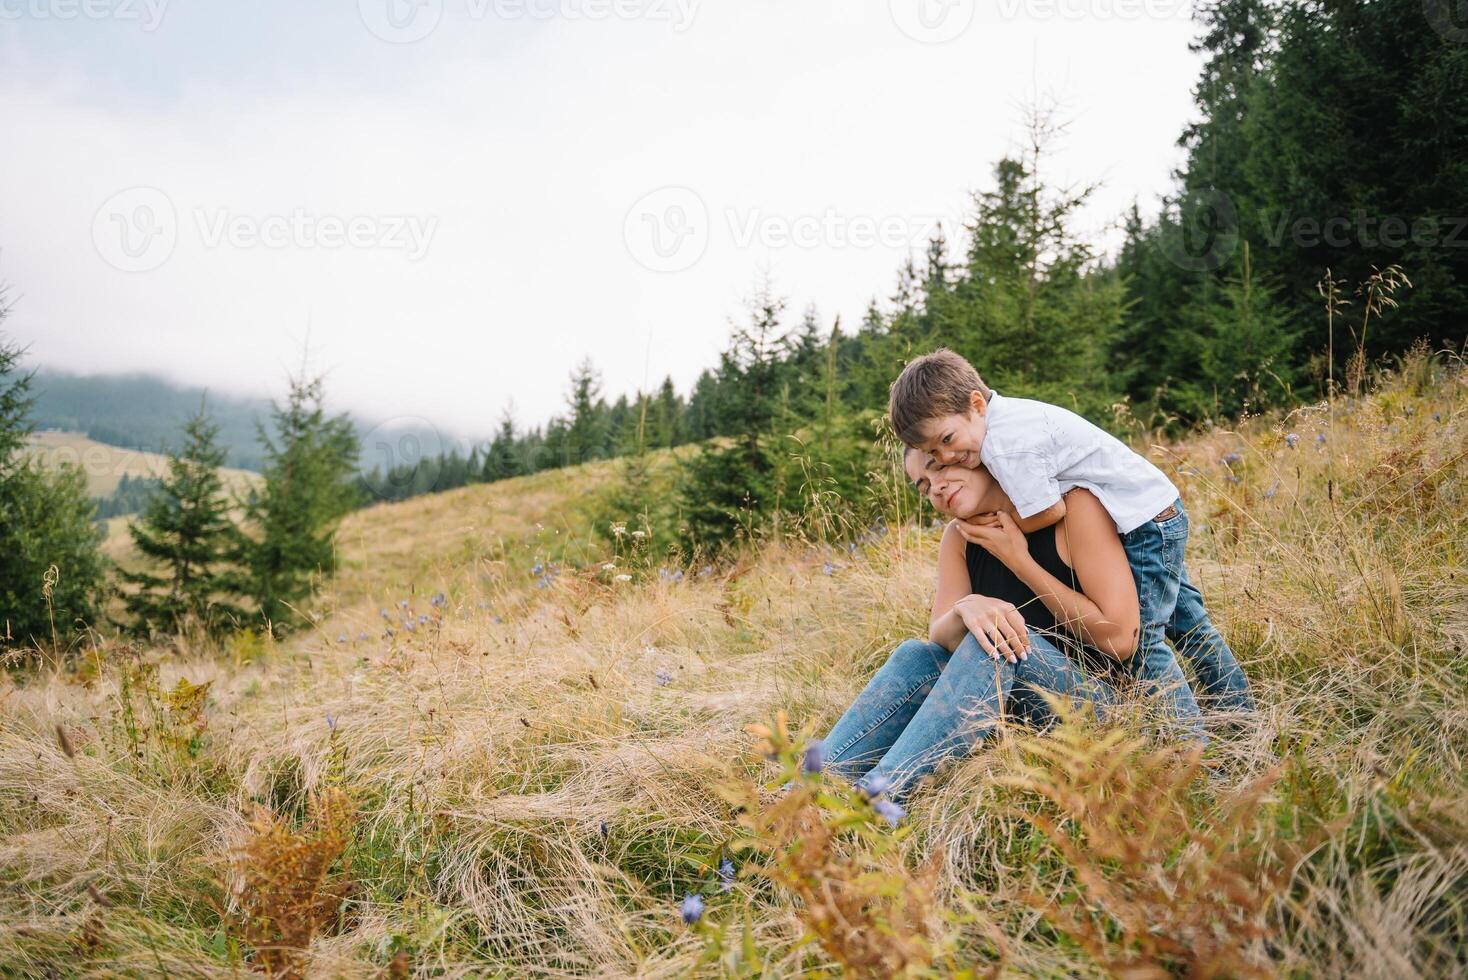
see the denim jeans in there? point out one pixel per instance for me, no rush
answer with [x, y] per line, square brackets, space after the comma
[1172, 609]
[925, 705]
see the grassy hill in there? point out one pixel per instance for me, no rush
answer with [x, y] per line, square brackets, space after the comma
[105, 465]
[514, 761]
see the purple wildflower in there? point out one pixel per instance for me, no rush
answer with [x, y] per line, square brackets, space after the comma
[341, 638]
[362, 636]
[402, 603]
[828, 568]
[1292, 439]
[691, 909]
[330, 722]
[384, 613]
[1274, 487]
[438, 600]
[537, 568]
[814, 759]
[726, 874]
[663, 676]
[877, 785]
[1320, 438]
[892, 812]
[1230, 459]
[498, 620]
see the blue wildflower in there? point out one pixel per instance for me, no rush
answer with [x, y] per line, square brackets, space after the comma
[1292, 439]
[341, 638]
[1230, 459]
[439, 599]
[814, 759]
[726, 874]
[498, 620]
[384, 613]
[877, 785]
[828, 568]
[1320, 438]
[1271, 491]
[663, 676]
[892, 812]
[537, 568]
[403, 603]
[1233, 478]
[678, 575]
[410, 626]
[691, 909]
[330, 722]
[422, 618]
[706, 571]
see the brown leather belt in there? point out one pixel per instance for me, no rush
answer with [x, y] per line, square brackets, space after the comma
[1171, 511]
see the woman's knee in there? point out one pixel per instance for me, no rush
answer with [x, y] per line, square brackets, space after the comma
[917, 658]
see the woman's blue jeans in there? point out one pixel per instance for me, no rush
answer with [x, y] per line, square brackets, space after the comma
[925, 705]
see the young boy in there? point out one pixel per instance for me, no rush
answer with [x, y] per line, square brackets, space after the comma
[1037, 452]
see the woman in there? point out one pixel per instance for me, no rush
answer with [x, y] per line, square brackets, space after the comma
[1003, 606]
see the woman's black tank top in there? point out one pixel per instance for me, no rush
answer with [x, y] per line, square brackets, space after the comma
[989, 576]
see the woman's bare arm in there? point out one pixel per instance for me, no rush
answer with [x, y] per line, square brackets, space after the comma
[1104, 612]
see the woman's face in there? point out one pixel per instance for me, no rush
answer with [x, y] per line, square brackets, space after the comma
[956, 491]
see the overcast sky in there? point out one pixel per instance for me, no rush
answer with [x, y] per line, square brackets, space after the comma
[456, 200]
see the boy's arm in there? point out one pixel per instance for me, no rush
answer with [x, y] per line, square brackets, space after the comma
[1044, 518]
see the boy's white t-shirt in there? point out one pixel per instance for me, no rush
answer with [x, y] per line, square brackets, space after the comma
[1038, 451]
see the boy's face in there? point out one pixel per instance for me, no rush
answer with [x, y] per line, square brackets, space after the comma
[955, 439]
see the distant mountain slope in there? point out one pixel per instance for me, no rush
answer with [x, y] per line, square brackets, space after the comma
[144, 412]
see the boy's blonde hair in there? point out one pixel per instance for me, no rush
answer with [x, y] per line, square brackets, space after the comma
[931, 387]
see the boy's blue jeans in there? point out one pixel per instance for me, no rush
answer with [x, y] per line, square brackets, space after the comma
[1172, 609]
[925, 705]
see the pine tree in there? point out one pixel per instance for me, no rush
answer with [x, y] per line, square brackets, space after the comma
[504, 458]
[586, 432]
[51, 568]
[1247, 360]
[307, 489]
[727, 491]
[186, 529]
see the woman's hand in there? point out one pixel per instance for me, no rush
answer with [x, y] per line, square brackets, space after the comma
[997, 625]
[999, 535]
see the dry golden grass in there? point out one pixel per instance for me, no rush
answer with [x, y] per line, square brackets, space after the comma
[534, 797]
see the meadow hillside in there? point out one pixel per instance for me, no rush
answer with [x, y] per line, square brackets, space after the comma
[105, 465]
[506, 748]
